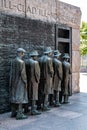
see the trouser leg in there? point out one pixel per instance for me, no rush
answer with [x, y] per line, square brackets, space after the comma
[45, 105]
[46, 99]
[13, 109]
[51, 100]
[57, 104]
[66, 99]
[34, 110]
[60, 97]
[26, 108]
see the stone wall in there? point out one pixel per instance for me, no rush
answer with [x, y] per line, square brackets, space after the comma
[75, 59]
[19, 32]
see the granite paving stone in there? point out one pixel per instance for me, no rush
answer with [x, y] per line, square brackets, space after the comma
[72, 116]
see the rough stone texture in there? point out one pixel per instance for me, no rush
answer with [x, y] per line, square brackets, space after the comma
[72, 116]
[37, 10]
[75, 71]
[50, 10]
[75, 39]
[68, 14]
[75, 82]
[13, 7]
[19, 32]
[75, 61]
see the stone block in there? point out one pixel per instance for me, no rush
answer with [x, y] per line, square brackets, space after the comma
[75, 61]
[75, 82]
[14, 7]
[51, 10]
[75, 39]
[43, 10]
[69, 14]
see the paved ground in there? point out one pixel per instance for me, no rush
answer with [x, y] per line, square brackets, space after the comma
[83, 84]
[72, 116]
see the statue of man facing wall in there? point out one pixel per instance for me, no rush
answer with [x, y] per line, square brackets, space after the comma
[66, 77]
[46, 69]
[33, 77]
[18, 83]
[57, 77]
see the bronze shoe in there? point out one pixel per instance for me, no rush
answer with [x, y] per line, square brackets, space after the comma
[21, 116]
[35, 112]
[46, 108]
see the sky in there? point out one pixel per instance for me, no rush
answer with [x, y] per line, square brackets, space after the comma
[79, 3]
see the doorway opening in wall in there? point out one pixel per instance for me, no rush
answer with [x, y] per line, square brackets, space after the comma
[63, 33]
[64, 44]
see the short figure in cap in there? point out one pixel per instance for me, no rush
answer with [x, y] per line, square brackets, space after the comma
[46, 77]
[57, 77]
[18, 83]
[66, 75]
[33, 77]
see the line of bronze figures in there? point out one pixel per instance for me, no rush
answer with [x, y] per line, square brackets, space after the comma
[38, 83]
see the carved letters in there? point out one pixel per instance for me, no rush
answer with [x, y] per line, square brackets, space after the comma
[7, 4]
[32, 10]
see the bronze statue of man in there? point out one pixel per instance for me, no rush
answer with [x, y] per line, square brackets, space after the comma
[18, 83]
[66, 76]
[46, 76]
[57, 77]
[33, 77]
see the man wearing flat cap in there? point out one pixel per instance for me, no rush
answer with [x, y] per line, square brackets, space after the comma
[57, 77]
[66, 75]
[33, 77]
[18, 83]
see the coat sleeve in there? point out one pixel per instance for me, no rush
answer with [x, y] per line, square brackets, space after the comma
[37, 72]
[60, 72]
[50, 65]
[23, 73]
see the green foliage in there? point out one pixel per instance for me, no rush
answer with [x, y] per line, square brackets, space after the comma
[83, 38]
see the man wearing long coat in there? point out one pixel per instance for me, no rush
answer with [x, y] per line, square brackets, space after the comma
[66, 76]
[57, 77]
[46, 76]
[33, 77]
[18, 83]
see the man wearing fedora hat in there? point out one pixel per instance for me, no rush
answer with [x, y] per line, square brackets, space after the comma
[46, 76]
[33, 77]
[18, 83]
[66, 75]
[57, 77]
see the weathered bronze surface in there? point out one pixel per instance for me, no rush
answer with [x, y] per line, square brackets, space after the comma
[57, 77]
[18, 83]
[33, 77]
[46, 76]
[66, 76]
